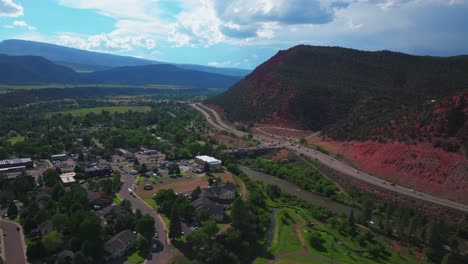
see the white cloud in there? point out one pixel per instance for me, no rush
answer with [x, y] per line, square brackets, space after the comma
[20, 24]
[105, 42]
[9, 9]
[223, 64]
[204, 23]
[119, 9]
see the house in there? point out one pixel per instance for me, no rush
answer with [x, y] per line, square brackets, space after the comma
[214, 164]
[68, 178]
[215, 200]
[58, 157]
[118, 245]
[11, 163]
[99, 200]
[125, 153]
[98, 171]
[215, 210]
[223, 192]
[13, 169]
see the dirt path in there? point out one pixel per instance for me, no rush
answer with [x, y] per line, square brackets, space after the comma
[243, 189]
[301, 238]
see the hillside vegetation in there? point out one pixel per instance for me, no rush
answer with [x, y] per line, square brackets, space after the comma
[25, 70]
[315, 87]
[33, 70]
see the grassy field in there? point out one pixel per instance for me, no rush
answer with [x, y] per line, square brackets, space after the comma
[63, 86]
[151, 202]
[135, 258]
[15, 140]
[291, 243]
[98, 110]
[117, 200]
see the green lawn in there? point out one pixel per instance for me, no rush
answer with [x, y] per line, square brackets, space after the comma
[334, 246]
[299, 260]
[15, 140]
[143, 178]
[287, 241]
[148, 86]
[151, 202]
[135, 258]
[98, 110]
[117, 200]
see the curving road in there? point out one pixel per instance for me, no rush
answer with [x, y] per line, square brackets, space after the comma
[15, 251]
[332, 163]
[165, 255]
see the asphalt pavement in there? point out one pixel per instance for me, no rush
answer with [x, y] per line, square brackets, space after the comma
[15, 253]
[165, 255]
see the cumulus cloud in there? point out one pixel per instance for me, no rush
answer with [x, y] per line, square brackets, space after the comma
[279, 23]
[287, 12]
[105, 42]
[9, 9]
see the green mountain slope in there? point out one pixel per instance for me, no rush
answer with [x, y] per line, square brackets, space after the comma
[162, 74]
[319, 87]
[32, 70]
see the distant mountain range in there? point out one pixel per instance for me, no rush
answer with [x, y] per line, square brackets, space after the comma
[34, 70]
[161, 74]
[28, 70]
[85, 61]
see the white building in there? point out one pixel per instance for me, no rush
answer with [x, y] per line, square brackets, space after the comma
[215, 164]
[68, 178]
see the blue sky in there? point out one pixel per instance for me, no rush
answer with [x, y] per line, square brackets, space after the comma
[238, 33]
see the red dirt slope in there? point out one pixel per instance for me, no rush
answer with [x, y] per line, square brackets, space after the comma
[421, 167]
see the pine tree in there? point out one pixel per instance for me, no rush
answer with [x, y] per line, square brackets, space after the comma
[12, 210]
[352, 224]
[175, 228]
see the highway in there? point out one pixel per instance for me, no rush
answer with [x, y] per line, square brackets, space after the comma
[14, 242]
[331, 162]
[165, 255]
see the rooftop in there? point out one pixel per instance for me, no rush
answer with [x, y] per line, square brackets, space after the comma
[68, 177]
[121, 240]
[15, 161]
[208, 159]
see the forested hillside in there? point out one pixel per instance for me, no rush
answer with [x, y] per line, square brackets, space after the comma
[27, 70]
[317, 86]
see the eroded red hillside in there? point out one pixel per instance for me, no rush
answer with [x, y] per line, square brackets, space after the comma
[421, 167]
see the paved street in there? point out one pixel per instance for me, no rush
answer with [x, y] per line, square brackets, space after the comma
[165, 255]
[14, 250]
[332, 163]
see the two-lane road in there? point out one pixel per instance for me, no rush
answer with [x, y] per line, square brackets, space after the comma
[336, 164]
[164, 256]
[14, 243]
